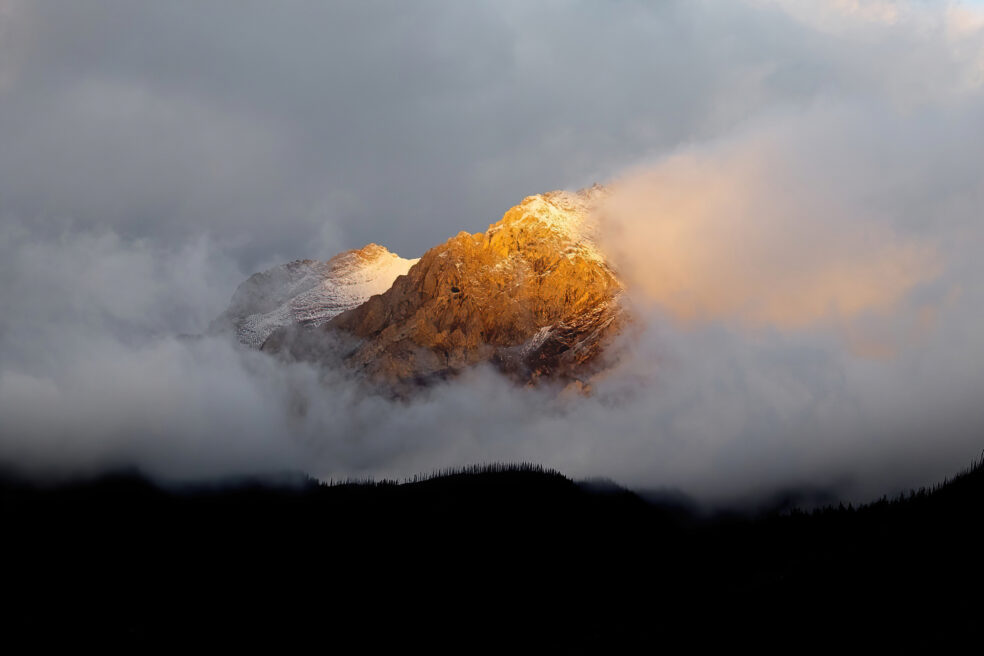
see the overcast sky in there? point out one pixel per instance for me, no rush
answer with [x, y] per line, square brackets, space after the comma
[296, 129]
[156, 153]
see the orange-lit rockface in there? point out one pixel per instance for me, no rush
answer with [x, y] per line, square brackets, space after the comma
[531, 295]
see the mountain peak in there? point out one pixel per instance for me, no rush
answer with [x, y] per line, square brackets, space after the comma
[561, 216]
[368, 253]
[532, 295]
[309, 292]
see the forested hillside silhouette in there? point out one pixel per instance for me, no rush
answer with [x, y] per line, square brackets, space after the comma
[490, 557]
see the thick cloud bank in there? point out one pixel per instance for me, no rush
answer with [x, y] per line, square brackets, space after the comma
[796, 207]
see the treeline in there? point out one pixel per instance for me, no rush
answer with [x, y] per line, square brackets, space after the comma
[484, 469]
[494, 556]
[479, 469]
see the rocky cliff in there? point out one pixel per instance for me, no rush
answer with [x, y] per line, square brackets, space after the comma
[532, 295]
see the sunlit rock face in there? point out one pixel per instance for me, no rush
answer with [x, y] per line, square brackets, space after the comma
[308, 292]
[531, 295]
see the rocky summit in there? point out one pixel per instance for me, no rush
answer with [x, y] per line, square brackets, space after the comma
[532, 296]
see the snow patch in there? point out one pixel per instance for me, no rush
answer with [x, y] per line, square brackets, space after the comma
[310, 292]
[568, 215]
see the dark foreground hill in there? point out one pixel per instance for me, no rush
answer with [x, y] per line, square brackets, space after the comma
[493, 559]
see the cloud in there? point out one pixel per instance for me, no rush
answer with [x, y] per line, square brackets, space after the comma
[777, 225]
[300, 129]
[796, 210]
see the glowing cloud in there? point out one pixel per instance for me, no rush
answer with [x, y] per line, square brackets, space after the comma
[750, 230]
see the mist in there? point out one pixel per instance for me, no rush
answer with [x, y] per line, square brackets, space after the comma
[795, 208]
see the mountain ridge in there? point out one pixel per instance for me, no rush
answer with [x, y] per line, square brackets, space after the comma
[533, 295]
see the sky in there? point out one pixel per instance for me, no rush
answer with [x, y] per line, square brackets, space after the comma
[799, 196]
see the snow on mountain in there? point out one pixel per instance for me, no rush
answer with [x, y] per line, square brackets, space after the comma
[565, 214]
[309, 292]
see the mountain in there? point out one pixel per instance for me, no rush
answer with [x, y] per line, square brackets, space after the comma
[309, 292]
[532, 295]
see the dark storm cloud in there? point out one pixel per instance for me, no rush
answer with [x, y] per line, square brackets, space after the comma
[156, 153]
